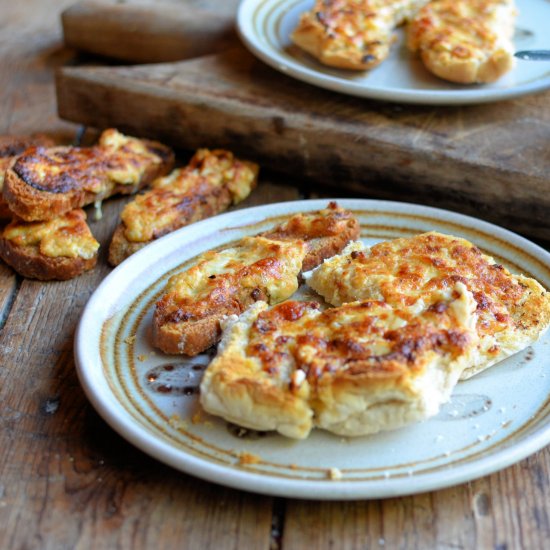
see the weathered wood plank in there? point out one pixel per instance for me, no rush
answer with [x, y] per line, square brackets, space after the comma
[67, 480]
[505, 510]
[488, 160]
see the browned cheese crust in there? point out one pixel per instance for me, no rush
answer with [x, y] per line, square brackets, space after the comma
[352, 34]
[353, 370]
[187, 317]
[10, 148]
[266, 267]
[58, 249]
[465, 41]
[211, 182]
[512, 310]
[45, 183]
[325, 232]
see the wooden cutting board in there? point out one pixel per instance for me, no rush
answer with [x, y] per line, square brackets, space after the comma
[491, 160]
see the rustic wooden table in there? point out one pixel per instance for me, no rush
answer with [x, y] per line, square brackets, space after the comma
[68, 481]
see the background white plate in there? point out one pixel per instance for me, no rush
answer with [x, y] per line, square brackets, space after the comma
[265, 27]
[493, 420]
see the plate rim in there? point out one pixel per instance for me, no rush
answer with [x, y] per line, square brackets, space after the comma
[270, 484]
[422, 97]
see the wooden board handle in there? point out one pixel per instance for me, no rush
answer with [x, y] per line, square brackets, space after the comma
[146, 33]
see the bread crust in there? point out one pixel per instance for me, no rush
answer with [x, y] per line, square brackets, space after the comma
[211, 182]
[465, 41]
[32, 265]
[28, 259]
[121, 248]
[187, 317]
[10, 147]
[353, 370]
[76, 177]
[188, 324]
[325, 233]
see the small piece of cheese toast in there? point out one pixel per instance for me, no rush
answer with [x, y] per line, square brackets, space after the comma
[44, 183]
[57, 249]
[210, 183]
[187, 317]
[465, 41]
[352, 370]
[512, 310]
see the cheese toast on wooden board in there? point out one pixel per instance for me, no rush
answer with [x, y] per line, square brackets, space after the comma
[513, 311]
[486, 160]
[352, 34]
[10, 148]
[221, 283]
[58, 249]
[465, 41]
[44, 183]
[210, 183]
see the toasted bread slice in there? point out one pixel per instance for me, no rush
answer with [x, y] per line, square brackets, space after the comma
[222, 283]
[353, 370]
[325, 232]
[352, 34]
[265, 267]
[512, 310]
[45, 183]
[56, 249]
[211, 182]
[465, 41]
[10, 148]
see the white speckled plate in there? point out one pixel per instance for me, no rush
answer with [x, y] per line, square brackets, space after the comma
[493, 420]
[265, 27]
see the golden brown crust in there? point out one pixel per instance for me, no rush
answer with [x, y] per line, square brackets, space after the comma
[325, 232]
[187, 317]
[259, 266]
[465, 41]
[211, 182]
[27, 257]
[352, 370]
[47, 182]
[121, 248]
[352, 34]
[512, 310]
[10, 147]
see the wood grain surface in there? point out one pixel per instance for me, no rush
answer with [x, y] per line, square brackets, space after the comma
[68, 481]
[490, 160]
[148, 33]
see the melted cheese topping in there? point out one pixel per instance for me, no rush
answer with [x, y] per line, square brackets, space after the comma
[353, 34]
[371, 336]
[212, 181]
[353, 369]
[129, 157]
[118, 159]
[67, 236]
[464, 33]
[403, 271]
[257, 268]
